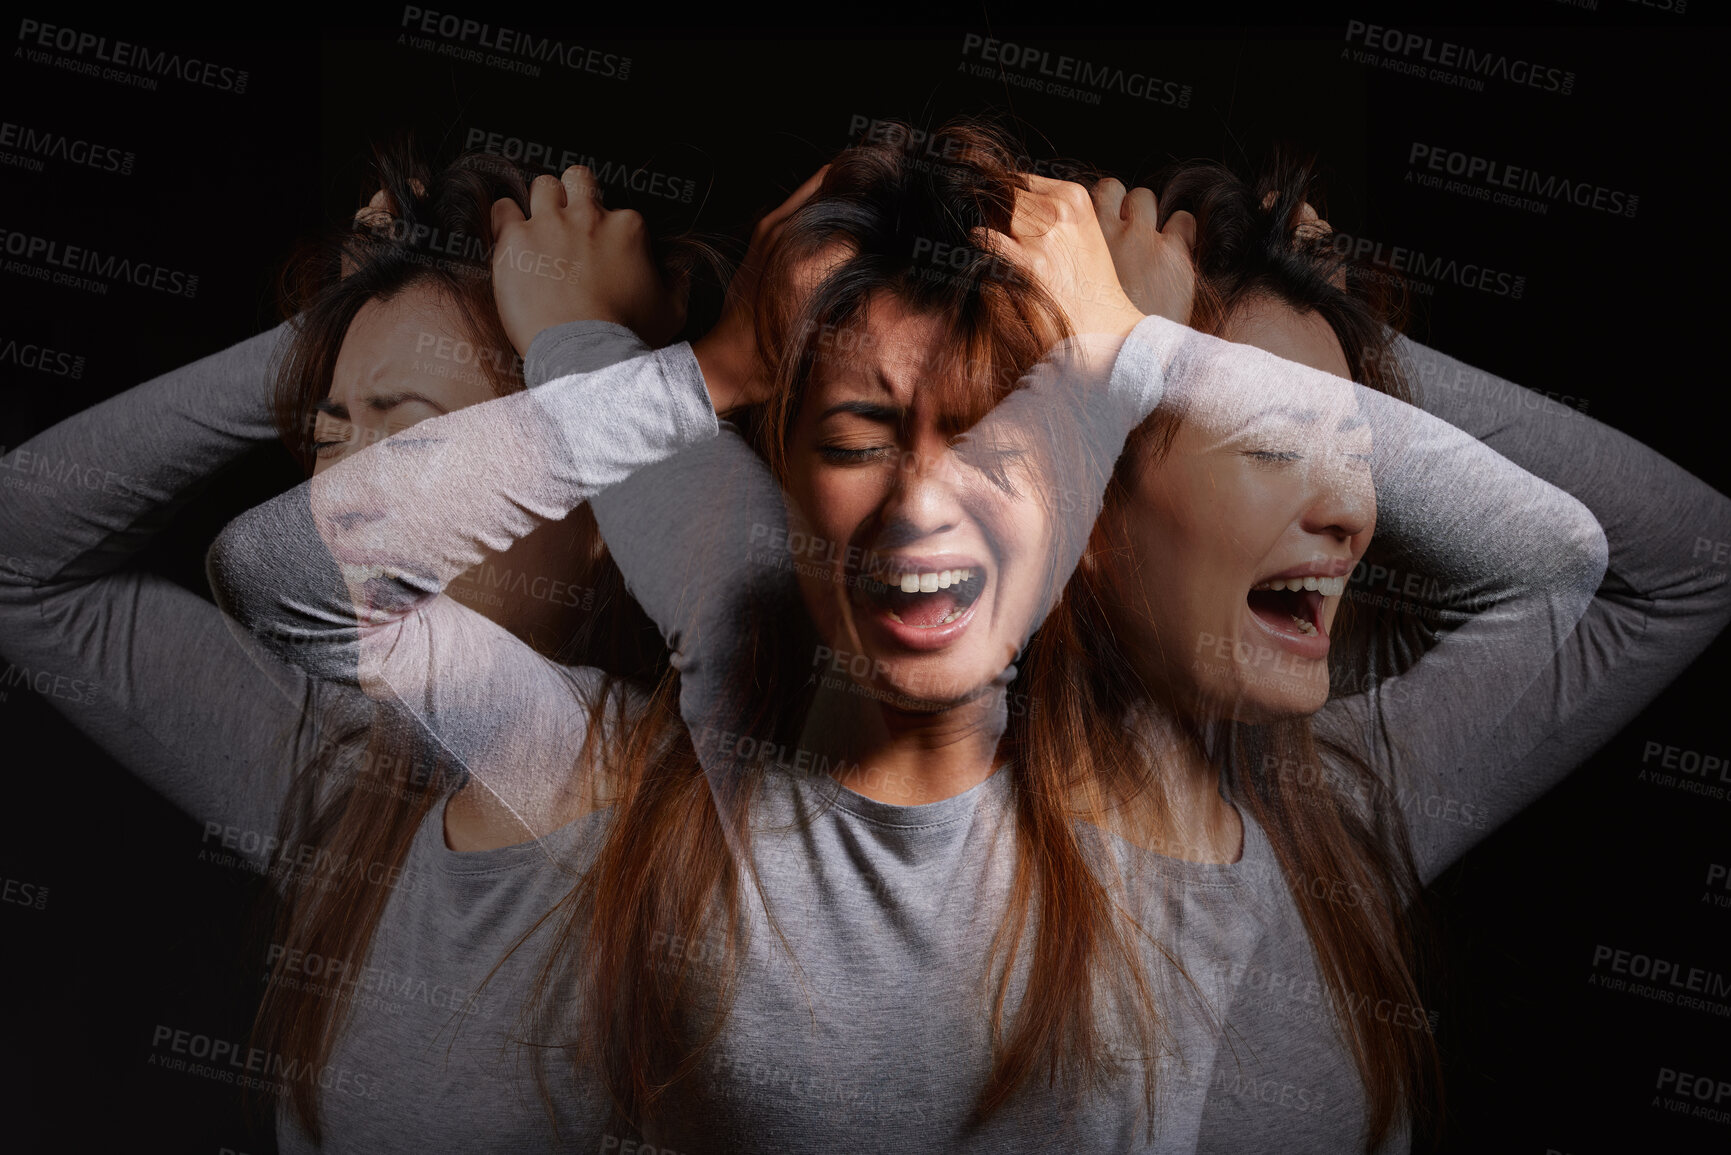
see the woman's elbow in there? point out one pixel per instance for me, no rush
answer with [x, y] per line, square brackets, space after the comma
[225, 569]
[264, 586]
[1584, 554]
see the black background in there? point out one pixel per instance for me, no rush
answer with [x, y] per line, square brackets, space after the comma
[1622, 313]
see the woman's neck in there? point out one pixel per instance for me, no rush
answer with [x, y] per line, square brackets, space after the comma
[1196, 823]
[909, 758]
[905, 757]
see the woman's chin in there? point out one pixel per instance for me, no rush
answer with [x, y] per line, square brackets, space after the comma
[1238, 697]
[928, 686]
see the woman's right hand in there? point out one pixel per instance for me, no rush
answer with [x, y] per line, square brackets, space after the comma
[571, 259]
[1056, 237]
[1153, 263]
[728, 355]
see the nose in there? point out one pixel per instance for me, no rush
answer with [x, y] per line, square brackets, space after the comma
[1342, 499]
[922, 501]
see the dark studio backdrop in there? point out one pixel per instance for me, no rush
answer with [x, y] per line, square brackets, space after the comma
[120, 920]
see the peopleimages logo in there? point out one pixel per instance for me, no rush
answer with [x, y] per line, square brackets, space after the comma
[607, 173]
[36, 145]
[87, 53]
[1414, 54]
[29, 355]
[1499, 183]
[504, 48]
[1041, 70]
[1429, 271]
[227, 1061]
[56, 263]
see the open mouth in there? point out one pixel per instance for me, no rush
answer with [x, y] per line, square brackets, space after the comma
[924, 600]
[1294, 605]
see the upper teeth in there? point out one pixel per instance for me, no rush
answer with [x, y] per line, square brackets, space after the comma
[927, 583]
[1328, 587]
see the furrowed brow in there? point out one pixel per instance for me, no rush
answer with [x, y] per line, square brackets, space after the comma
[889, 414]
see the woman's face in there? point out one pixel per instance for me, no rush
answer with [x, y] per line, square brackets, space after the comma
[399, 364]
[402, 361]
[1221, 530]
[920, 573]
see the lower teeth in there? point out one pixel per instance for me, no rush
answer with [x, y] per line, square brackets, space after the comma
[944, 621]
[1304, 627]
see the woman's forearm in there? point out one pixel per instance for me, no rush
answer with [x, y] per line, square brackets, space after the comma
[381, 534]
[1664, 596]
[143, 667]
[84, 496]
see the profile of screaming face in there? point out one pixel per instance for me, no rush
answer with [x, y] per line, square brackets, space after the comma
[389, 374]
[1239, 540]
[929, 571]
[405, 359]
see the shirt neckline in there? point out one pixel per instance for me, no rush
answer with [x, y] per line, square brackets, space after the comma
[1254, 859]
[429, 842]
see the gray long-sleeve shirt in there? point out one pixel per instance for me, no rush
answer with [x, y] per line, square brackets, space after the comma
[896, 1075]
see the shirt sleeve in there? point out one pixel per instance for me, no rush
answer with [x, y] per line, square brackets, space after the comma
[1513, 561]
[1663, 598]
[143, 666]
[704, 542]
[346, 575]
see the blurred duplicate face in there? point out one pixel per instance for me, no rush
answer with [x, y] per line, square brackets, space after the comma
[400, 363]
[1241, 538]
[920, 573]
[405, 359]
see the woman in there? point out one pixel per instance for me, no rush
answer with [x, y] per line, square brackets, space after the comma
[341, 797]
[769, 957]
[1405, 743]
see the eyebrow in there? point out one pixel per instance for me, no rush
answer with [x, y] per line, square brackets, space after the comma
[1348, 423]
[379, 403]
[890, 414]
[1293, 413]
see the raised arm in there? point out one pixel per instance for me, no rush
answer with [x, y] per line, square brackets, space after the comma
[1525, 555]
[144, 667]
[1664, 596]
[345, 576]
[1514, 560]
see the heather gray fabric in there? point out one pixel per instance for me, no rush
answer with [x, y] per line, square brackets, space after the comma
[870, 1030]
[888, 903]
[172, 691]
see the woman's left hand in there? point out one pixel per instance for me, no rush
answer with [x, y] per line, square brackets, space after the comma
[572, 260]
[1153, 263]
[1055, 236]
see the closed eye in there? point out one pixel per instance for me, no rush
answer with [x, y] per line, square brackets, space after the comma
[844, 455]
[1273, 455]
[330, 434]
[993, 458]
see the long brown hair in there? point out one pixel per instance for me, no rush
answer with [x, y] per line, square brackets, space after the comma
[677, 854]
[1325, 813]
[889, 208]
[375, 777]
[648, 1026]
